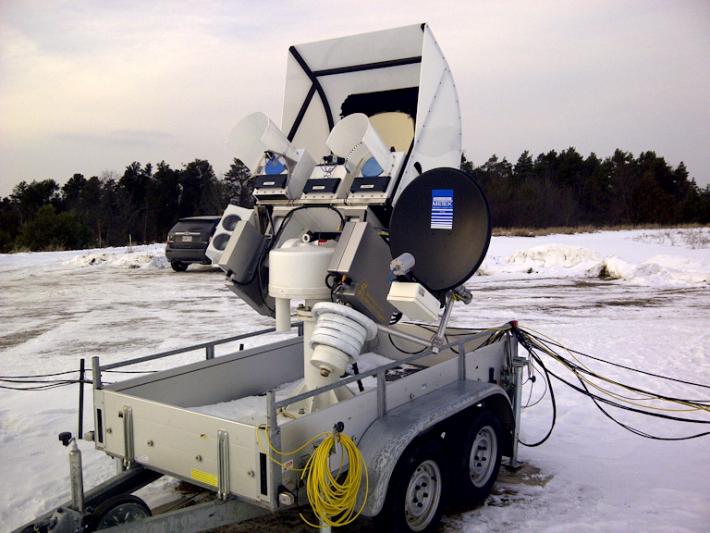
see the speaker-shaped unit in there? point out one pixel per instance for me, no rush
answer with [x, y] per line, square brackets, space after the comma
[222, 233]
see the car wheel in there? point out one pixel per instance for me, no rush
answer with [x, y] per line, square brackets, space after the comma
[417, 490]
[478, 459]
[178, 266]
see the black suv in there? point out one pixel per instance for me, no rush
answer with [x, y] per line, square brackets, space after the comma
[188, 240]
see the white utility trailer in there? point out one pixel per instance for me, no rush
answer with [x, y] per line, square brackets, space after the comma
[361, 217]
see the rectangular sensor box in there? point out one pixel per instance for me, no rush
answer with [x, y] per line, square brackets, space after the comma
[364, 257]
[414, 300]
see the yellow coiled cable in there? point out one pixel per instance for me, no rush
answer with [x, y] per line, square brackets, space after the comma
[333, 503]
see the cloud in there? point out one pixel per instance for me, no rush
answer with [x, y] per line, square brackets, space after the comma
[539, 75]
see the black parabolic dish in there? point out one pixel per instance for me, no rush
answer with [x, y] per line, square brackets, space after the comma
[442, 218]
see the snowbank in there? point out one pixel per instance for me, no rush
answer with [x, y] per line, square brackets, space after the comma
[693, 238]
[631, 257]
[666, 270]
[143, 256]
[124, 260]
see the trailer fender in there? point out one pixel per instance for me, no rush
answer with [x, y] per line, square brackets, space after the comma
[389, 436]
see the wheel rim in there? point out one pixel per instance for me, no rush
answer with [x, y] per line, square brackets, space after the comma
[482, 458]
[122, 514]
[423, 495]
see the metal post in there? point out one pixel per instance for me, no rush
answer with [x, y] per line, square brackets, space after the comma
[128, 445]
[96, 372]
[518, 364]
[82, 368]
[462, 361]
[223, 488]
[406, 336]
[441, 331]
[381, 394]
[274, 470]
[76, 477]
[209, 351]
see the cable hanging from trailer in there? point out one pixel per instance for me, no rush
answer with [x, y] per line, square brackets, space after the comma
[595, 386]
[39, 383]
[333, 498]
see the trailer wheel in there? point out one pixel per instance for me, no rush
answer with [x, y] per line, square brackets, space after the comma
[479, 459]
[417, 490]
[119, 510]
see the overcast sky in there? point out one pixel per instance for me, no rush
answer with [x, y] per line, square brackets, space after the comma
[92, 86]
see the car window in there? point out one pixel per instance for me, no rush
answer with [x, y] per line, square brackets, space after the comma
[196, 227]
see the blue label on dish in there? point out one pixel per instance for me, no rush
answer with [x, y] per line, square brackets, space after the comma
[442, 208]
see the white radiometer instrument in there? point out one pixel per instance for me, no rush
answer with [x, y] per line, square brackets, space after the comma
[360, 169]
[280, 169]
[371, 165]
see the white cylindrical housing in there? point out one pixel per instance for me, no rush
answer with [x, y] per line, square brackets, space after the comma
[298, 272]
[356, 139]
[283, 315]
[338, 337]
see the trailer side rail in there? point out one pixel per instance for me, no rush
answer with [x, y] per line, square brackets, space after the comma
[380, 371]
[208, 347]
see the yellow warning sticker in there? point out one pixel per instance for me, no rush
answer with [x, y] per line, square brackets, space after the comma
[204, 477]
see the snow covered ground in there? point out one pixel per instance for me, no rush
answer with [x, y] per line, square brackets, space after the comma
[641, 298]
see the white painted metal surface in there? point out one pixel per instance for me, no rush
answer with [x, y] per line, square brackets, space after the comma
[414, 301]
[297, 271]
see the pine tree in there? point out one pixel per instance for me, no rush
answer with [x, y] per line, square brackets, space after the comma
[200, 193]
[238, 185]
[523, 168]
[165, 197]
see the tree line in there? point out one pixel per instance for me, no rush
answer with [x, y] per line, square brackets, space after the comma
[139, 207]
[566, 189]
[553, 189]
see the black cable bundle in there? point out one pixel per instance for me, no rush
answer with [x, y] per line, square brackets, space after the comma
[535, 345]
[38, 382]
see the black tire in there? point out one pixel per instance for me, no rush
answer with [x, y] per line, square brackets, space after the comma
[477, 462]
[178, 266]
[118, 510]
[417, 491]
